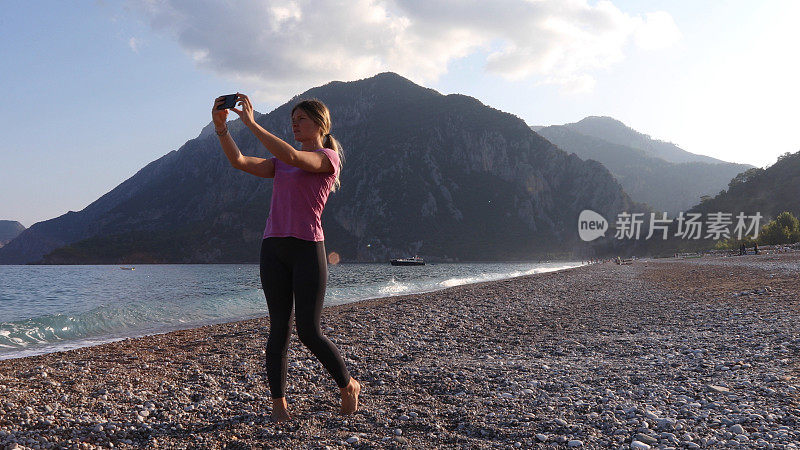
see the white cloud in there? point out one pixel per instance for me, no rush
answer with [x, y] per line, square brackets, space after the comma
[133, 43]
[656, 31]
[283, 47]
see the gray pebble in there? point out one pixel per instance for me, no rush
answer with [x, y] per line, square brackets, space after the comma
[736, 429]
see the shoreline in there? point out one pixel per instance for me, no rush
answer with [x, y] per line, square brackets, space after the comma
[662, 352]
[100, 340]
[433, 262]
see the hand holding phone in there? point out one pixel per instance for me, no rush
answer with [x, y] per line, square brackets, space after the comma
[229, 101]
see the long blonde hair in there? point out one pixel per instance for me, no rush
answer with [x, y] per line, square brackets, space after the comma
[319, 113]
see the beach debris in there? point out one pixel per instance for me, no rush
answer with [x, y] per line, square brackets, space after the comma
[757, 291]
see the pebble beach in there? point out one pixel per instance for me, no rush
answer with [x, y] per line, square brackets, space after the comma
[663, 353]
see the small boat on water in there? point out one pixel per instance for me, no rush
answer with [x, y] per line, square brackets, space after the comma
[128, 268]
[415, 261]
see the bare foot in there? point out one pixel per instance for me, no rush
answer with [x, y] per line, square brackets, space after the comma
[350, 396]
[280, 416]
[280, 412]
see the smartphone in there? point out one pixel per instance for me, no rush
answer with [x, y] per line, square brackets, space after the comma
[230, 101]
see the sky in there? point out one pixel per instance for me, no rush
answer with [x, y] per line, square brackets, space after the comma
[95, 90]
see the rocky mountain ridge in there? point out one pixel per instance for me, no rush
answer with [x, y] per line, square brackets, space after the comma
[442, 176]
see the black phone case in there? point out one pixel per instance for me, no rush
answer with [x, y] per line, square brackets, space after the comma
[230, 102]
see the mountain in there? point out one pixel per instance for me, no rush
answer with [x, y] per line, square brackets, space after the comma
[442, 176]
[9, 229]
[768, 191]
[616, 132]
[662, 184]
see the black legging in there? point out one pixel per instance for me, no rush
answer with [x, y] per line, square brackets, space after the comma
[291, 265]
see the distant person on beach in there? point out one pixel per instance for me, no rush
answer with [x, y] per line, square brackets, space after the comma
[293, 258]
[755, 248]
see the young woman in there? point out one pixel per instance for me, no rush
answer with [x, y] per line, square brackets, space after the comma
[293, 258]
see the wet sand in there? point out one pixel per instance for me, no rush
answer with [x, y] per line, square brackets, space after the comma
[661, 353]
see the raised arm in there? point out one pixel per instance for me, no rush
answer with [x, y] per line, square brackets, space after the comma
[309, 161]
[260, 167]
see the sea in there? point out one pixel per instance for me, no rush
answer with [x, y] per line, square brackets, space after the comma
[46, 309]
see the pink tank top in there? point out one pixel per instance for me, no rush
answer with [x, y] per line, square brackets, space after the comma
[298, 198]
